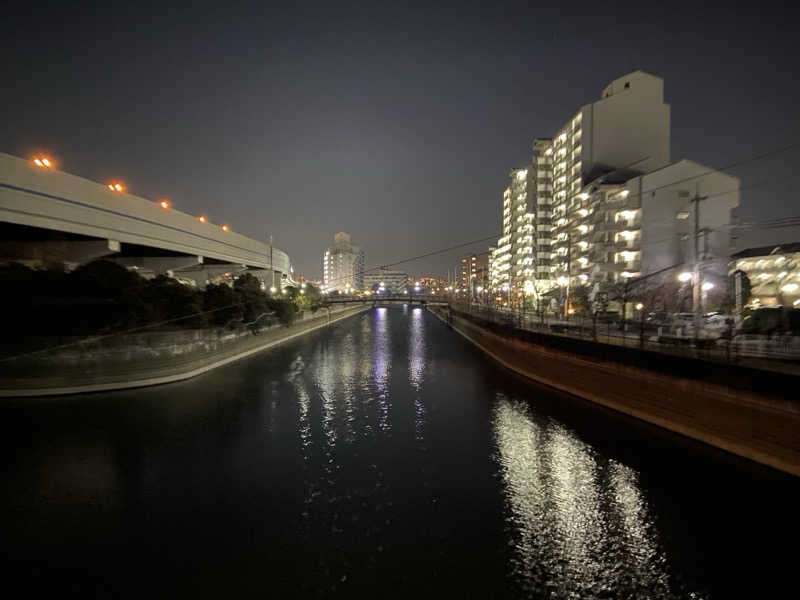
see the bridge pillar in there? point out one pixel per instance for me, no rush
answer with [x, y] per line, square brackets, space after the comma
[70, 253]
[150, 266]
[267, 277]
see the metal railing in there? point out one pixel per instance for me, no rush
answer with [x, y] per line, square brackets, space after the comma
[779, 352]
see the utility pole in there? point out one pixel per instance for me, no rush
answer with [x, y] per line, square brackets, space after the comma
[697, 288]
[271, 268]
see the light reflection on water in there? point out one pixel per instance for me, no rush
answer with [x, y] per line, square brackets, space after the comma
[416, 369]
[380, 457]
[382, 364]
[581, 525]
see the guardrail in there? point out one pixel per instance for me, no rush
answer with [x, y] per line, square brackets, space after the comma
[777, 352]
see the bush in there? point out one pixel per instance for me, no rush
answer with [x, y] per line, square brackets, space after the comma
[223, 304]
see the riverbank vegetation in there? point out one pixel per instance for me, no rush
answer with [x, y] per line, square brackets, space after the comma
[103, 297]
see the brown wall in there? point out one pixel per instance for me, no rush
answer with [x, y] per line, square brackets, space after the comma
[764, 427]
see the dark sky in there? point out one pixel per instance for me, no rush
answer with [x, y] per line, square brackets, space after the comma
[395, 123]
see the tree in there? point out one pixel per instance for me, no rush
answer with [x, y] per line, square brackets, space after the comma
[222, 304]
[252, 299]
[173, 301]
[580, 298]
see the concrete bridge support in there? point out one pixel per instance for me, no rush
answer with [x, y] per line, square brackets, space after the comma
[151, 266]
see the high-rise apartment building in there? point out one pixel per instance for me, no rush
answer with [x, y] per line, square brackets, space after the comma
[598, 203]
[521, 260]
[343, 265]
[626, 133]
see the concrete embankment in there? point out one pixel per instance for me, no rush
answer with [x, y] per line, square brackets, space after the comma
[139, 360]
[748, 412]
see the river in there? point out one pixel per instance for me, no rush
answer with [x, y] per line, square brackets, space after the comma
[384, 456]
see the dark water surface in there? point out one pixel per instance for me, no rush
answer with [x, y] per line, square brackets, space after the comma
[382, 457]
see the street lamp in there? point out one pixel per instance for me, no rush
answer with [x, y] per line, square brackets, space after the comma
[164, 204]
[116, 186]
[43, 162]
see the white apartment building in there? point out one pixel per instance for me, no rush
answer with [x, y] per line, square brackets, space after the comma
[627, 131]
[520, 264]
[621, 227]
[343, 266]
[601, 201]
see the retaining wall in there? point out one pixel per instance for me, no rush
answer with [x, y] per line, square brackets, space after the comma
[751, 413]
[139, 360]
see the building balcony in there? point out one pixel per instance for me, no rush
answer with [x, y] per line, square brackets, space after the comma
[633, 266]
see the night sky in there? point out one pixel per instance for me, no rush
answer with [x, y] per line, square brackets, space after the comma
[396, 124]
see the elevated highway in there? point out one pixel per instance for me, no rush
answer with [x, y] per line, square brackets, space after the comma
[51, 216]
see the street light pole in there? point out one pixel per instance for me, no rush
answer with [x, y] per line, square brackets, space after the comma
[697, 283]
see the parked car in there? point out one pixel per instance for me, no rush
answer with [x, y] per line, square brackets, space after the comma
[658, 319]
[718, 325]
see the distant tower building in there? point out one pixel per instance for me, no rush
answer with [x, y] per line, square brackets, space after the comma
[343, 265]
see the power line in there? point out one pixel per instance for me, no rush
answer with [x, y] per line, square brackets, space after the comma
[419, 257]
[725, 168]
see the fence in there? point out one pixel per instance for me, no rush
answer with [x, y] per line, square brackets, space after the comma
[777, 352]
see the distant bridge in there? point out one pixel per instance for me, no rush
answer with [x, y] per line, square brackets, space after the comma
[388, 299]
[47, 216]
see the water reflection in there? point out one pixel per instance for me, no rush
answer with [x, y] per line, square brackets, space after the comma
[581, 526]
[416, 368]
[382, 358]
[310, 471]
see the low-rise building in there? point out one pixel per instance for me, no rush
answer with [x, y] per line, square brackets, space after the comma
[392, 281]
[773, 274]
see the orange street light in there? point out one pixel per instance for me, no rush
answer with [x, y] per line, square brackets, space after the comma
[116, 187]
[226, 228]
[43, 161]
[164, 204]
[202, 219]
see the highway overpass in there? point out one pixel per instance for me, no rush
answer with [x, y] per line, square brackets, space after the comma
[47, 216]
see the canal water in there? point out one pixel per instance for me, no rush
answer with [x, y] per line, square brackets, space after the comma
[381, 457]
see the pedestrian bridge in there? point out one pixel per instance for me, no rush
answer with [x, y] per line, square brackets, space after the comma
[393, 299]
